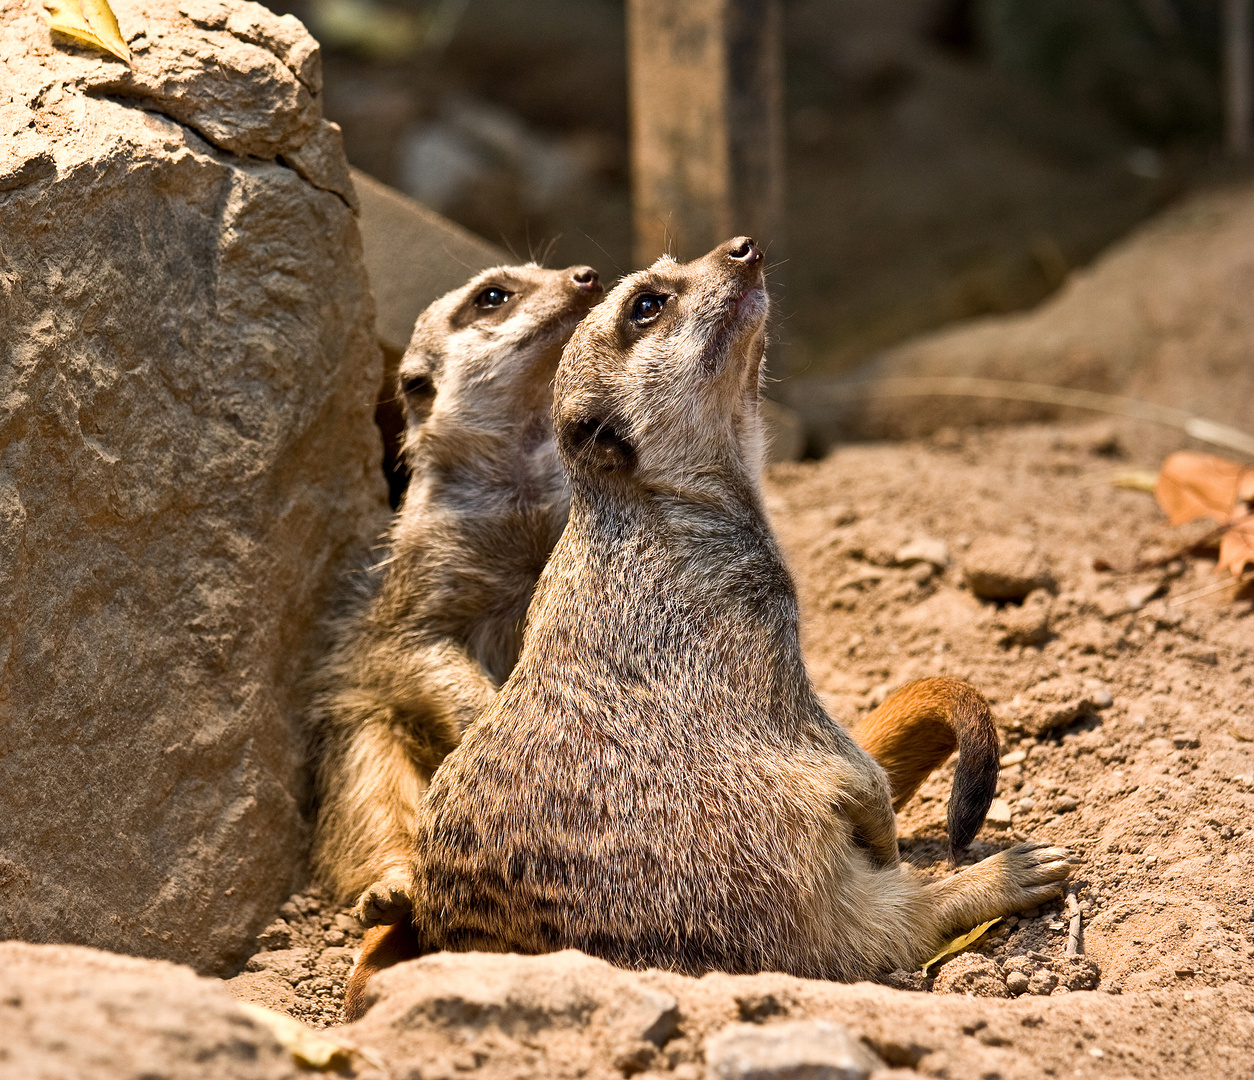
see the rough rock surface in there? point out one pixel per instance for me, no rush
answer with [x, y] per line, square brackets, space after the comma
[69, 1012]
[565, 1015]
[187, 464]
[1164, 316]
[802, 1050]
[72, 1012]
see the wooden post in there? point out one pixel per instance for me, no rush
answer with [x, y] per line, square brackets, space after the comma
[1237, 90]
[706, 124]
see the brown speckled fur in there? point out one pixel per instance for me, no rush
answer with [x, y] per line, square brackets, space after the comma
[657, 783]
[437, 624]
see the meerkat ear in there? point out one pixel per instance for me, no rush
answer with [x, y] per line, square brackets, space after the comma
[597, 445]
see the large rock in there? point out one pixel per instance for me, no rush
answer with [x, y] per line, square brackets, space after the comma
[489, 1017]
[187, 463]
[1163, 317]
[66, 1011]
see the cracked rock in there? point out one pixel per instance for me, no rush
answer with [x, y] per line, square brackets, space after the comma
[580, 1007]
[188, 463]
[1055, 703]
[971, 973]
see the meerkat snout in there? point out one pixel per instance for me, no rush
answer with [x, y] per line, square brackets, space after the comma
[586, 278]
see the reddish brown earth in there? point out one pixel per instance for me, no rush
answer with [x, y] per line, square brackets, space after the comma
[1151, 778]
[1156, 789]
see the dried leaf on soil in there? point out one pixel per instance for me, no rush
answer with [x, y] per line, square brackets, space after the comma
[962, 941]
[1136, 480]
[1193, 485]
[309, 1048]
[1237, 547]
[91, 22]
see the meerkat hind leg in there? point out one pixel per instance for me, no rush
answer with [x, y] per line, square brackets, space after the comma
[365, 837]
[1013, 880]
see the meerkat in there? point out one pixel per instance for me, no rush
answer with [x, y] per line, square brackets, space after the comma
[437, 626]
[657, 782]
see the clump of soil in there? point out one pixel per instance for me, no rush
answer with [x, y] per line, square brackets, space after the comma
[303, 961]
[1122, 695]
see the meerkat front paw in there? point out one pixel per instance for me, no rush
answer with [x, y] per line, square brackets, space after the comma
[386, 901]
[1036, 872]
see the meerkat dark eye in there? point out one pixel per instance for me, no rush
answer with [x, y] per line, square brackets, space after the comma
[492, 297]
[648, 306]
[417, 385]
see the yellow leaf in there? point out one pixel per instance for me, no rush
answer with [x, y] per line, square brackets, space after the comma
[1136, 480]
[90, 21]
[963, 941]
[105, 23]
[308, 1047]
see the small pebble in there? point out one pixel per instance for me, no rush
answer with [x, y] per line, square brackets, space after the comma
[1066, 804]
[1017, 982]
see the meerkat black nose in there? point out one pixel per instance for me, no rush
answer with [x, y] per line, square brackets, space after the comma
[744, 250]
[586, 278]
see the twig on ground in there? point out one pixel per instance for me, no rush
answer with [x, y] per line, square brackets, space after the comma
[1210, 590]
[1075, 940]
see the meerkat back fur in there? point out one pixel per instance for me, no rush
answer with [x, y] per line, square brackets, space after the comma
[436, 626]
[657, 782]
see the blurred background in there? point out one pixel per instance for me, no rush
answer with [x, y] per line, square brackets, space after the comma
[941, 158]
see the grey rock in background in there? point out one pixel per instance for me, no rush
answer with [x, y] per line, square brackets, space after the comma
[1162, 317]
[188, 369]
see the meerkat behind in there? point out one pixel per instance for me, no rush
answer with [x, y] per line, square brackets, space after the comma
[438, 624]
[657, 783]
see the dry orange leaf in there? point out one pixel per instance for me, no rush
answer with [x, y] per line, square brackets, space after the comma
[1193, 485]
[1236, 549]
[90, 21]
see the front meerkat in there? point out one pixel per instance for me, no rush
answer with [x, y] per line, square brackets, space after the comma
[438, 625]
[657, 783]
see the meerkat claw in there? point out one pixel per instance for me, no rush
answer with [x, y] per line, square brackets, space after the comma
[382, 904]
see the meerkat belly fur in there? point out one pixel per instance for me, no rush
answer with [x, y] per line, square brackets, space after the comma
[436, 626]
[657, 782]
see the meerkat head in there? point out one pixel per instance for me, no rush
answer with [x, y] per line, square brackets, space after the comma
[660, 383]
[482, 357]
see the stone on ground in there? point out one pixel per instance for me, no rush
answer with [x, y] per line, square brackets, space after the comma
[188, 368]
[67, 1011]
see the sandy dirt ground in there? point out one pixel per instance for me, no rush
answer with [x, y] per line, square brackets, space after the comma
[1123, 698]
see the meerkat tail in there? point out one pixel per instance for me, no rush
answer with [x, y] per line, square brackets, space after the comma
[916, 729]
[382, 947]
